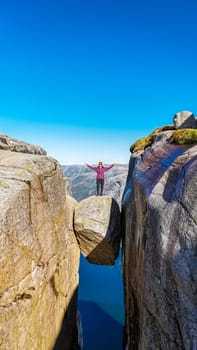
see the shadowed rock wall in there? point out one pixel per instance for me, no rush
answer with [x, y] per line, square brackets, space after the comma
[160, 247]
[39, 255]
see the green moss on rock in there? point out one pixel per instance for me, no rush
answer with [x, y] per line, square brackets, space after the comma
[184, 136]
[144, 142]
[141, 144]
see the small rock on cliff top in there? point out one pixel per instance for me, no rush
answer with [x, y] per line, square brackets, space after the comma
[9, 144]
[97, 227]
[184, 119]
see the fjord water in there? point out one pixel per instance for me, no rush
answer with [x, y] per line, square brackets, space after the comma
[101, 306]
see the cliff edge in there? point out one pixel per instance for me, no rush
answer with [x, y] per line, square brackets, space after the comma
[160, 242]
[39, 255]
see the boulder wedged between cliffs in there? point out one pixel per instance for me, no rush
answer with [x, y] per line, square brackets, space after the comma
[98, 230]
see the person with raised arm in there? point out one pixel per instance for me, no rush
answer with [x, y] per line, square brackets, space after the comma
[100, 170]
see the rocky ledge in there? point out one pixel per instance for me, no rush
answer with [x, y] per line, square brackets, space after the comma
[10, 144]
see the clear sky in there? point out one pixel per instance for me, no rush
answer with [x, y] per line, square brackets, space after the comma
[85, 78]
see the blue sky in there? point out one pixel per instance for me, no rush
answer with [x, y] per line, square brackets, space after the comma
[85, 79]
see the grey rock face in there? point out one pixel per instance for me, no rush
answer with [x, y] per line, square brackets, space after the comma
[9, 144]
[184, 120]
[160, 247]
[97, 227]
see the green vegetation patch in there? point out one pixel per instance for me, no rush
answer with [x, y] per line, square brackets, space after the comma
[141, 144]
[184, 136]
[144, 142]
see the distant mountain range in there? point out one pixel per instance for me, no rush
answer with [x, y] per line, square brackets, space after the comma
[83, 181]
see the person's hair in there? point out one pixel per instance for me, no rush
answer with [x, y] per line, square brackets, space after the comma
[100, 163]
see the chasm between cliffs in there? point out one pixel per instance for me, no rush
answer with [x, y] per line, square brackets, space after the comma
[101, 305]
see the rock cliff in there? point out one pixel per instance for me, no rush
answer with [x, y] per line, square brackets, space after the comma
[39, 255]
[159, 212]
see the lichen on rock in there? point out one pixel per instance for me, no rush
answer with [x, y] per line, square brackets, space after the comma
[144, 142]
[184, 136]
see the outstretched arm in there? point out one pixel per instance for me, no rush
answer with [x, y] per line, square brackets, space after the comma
[108, 167]
[91, 167]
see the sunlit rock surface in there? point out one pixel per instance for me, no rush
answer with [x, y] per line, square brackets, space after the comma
[97, 227]
[39, 255]
[160, 247]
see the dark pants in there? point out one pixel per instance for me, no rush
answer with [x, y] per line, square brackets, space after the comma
[99, 186]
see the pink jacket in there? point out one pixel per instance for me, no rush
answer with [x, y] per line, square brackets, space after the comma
[100, 171]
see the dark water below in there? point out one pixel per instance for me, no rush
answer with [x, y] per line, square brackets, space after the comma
[101, 305]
